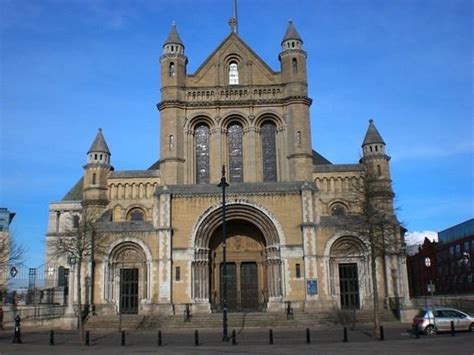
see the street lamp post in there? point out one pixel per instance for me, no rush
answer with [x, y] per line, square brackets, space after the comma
[223, 184]
[430, 283]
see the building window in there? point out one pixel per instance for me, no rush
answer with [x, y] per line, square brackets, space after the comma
[136, 215]
[379, 170]
[94, 179]
[201, 142]
[171, 143]
[338, 209]
[298, 271]
[294, 65]
[234, 145]
[268, 134]
[233, 74]
[171, 69]
[75, 221]
[178, 273]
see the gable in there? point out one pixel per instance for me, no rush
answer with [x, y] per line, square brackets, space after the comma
[252, 70]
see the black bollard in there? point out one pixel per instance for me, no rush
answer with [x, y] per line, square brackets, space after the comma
[88, 338]
[234, 340]
[51, 337]
[453, 332]
[17, 333]
[270, 334]
[196, 337]
[308, 336]
[382, 335]
[122, 341]
[416, 331]
[159, 338]
[345, 335]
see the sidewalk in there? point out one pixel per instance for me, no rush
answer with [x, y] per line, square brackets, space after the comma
[249, 341]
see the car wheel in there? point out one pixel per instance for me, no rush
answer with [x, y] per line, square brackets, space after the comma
[471, 327]
[430, 330]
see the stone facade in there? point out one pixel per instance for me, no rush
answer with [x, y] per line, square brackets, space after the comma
[286, 206]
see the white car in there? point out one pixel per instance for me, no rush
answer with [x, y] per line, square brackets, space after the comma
[438, 319]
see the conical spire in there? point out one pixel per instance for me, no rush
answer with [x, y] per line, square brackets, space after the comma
[291, 33]
[99, 144]
[372, 136]
[173, 36]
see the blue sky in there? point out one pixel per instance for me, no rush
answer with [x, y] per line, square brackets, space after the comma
[69, 67]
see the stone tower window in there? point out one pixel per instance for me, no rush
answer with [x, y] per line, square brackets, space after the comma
[294, 65]
[171, 143]
[201, 142]
[94, 179]
[379, 170]
[234, 147]
[136, 214]
[233, 74]
[171, 69]
[268, 134]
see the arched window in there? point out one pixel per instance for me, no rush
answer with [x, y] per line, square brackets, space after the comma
[233, 74]
[136, 215]
[268, 134]
[294, 65]
[201, 142]
[171, 69]
[338, 209]
[94, 179]
[234, 146]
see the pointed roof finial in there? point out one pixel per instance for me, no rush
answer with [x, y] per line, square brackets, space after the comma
[372, 136]
[173, 36]
[99, 144]
[291, 33]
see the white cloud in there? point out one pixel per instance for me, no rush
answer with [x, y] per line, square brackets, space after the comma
[416, 238]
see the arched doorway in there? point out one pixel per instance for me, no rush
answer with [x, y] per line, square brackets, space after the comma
[349, 271]
[253, 259]
[127, 273]
[245, 269]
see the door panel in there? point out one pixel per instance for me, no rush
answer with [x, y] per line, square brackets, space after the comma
[349, 286]
[231, 286]
[129, 291]
[249, 286]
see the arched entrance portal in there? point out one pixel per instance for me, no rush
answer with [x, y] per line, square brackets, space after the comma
[127, 272]
[253, 259]
[246, 268]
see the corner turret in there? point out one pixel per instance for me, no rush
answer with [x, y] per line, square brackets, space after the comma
[293, 62]
[96, 172]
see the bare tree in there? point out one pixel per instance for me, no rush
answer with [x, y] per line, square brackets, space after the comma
[376, 223]
[11, 253]
[79, 243]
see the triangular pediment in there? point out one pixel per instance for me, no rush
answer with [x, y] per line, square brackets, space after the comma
[252, 69]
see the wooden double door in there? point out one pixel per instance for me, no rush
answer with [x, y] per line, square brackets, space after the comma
[242, 286]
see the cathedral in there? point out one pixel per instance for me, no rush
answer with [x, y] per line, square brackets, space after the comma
[161, 241]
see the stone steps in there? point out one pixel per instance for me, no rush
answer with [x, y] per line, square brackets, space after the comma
[235, 320]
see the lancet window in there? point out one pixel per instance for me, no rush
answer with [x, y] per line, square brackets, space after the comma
[201, 141]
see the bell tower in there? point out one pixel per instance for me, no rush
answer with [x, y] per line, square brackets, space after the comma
[173, 82]
[294, 78]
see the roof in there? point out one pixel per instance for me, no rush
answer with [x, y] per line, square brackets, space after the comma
[291, 33]
[372, 136]
[75, 193]
[318, 159]
[173, 36]
[99, 144]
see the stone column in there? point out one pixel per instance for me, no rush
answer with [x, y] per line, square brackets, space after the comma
[249, 142]
[164, 250]
[308, 229]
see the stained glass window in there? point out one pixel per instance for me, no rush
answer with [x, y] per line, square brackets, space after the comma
[268, 134]
[201, 140]
[234, 141]
[136, 215]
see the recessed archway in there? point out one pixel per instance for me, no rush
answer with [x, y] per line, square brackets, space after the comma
[253, 259]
